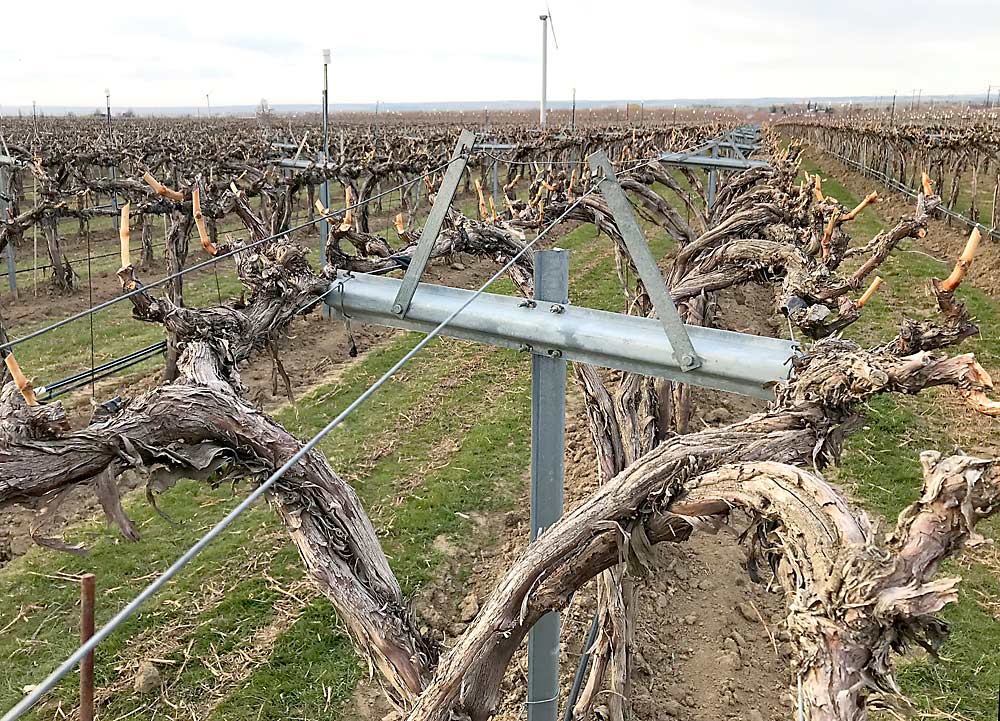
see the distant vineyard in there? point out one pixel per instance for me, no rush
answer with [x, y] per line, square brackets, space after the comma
[963, 161]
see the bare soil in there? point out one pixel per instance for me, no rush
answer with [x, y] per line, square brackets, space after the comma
[710, 643]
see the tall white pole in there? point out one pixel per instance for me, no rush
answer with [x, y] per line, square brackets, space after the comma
[545, 69]
[324, 155]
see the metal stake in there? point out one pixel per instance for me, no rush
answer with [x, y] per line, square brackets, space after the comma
[713, 178]
[496, 187]
[111, 166]
[324, 191]
[87, 588]
[572, 121]
[548, 431]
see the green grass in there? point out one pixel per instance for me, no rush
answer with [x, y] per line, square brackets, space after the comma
[423, 454]
[486, 482]
[881, 463]
[66, 350]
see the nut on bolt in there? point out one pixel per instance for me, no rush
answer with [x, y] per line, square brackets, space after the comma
[524, 348]
[555, 353]
[556, 308]
[687, 360]
[397, 309]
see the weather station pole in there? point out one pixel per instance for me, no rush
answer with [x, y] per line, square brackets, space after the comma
[573, 116]
[324, 188]
[545, 68]
[547, 21]
[111, 165]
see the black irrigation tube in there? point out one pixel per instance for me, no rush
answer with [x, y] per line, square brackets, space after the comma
[74, 260]
[581, 669]
[102, 371]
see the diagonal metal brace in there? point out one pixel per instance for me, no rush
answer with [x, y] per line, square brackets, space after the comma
[645, 263]
[435, 219]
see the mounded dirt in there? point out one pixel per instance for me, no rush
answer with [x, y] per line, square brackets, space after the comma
[710, 643]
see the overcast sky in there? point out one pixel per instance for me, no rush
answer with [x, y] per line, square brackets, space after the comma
[171, 54]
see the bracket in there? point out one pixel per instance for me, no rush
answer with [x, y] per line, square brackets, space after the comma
[743, 141]
[435, 219]
[645, 263]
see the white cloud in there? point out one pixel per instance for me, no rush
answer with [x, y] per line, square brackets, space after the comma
[66, 53]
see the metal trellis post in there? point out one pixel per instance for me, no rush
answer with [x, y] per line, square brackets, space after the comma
[111, 166]
[496, 187]
[11, 264]
[324, 158]
[548, 430]
[713, 178]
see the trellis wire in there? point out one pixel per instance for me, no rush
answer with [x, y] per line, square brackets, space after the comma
[53, 678]
[206, 263]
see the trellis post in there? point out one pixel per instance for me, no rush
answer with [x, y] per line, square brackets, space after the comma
[5, 185]
[548, 442]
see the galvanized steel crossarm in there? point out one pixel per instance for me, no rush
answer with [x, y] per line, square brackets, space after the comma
[733, 362]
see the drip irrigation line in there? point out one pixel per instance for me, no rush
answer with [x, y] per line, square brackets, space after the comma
[198, 266]
[75, 260]
[154, 348]
[66, 666]
[581, 669]
[106, 370]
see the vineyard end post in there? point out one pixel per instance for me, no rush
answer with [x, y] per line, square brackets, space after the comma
[11, 264]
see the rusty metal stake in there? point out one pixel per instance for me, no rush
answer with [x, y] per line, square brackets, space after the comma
[87, 587]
